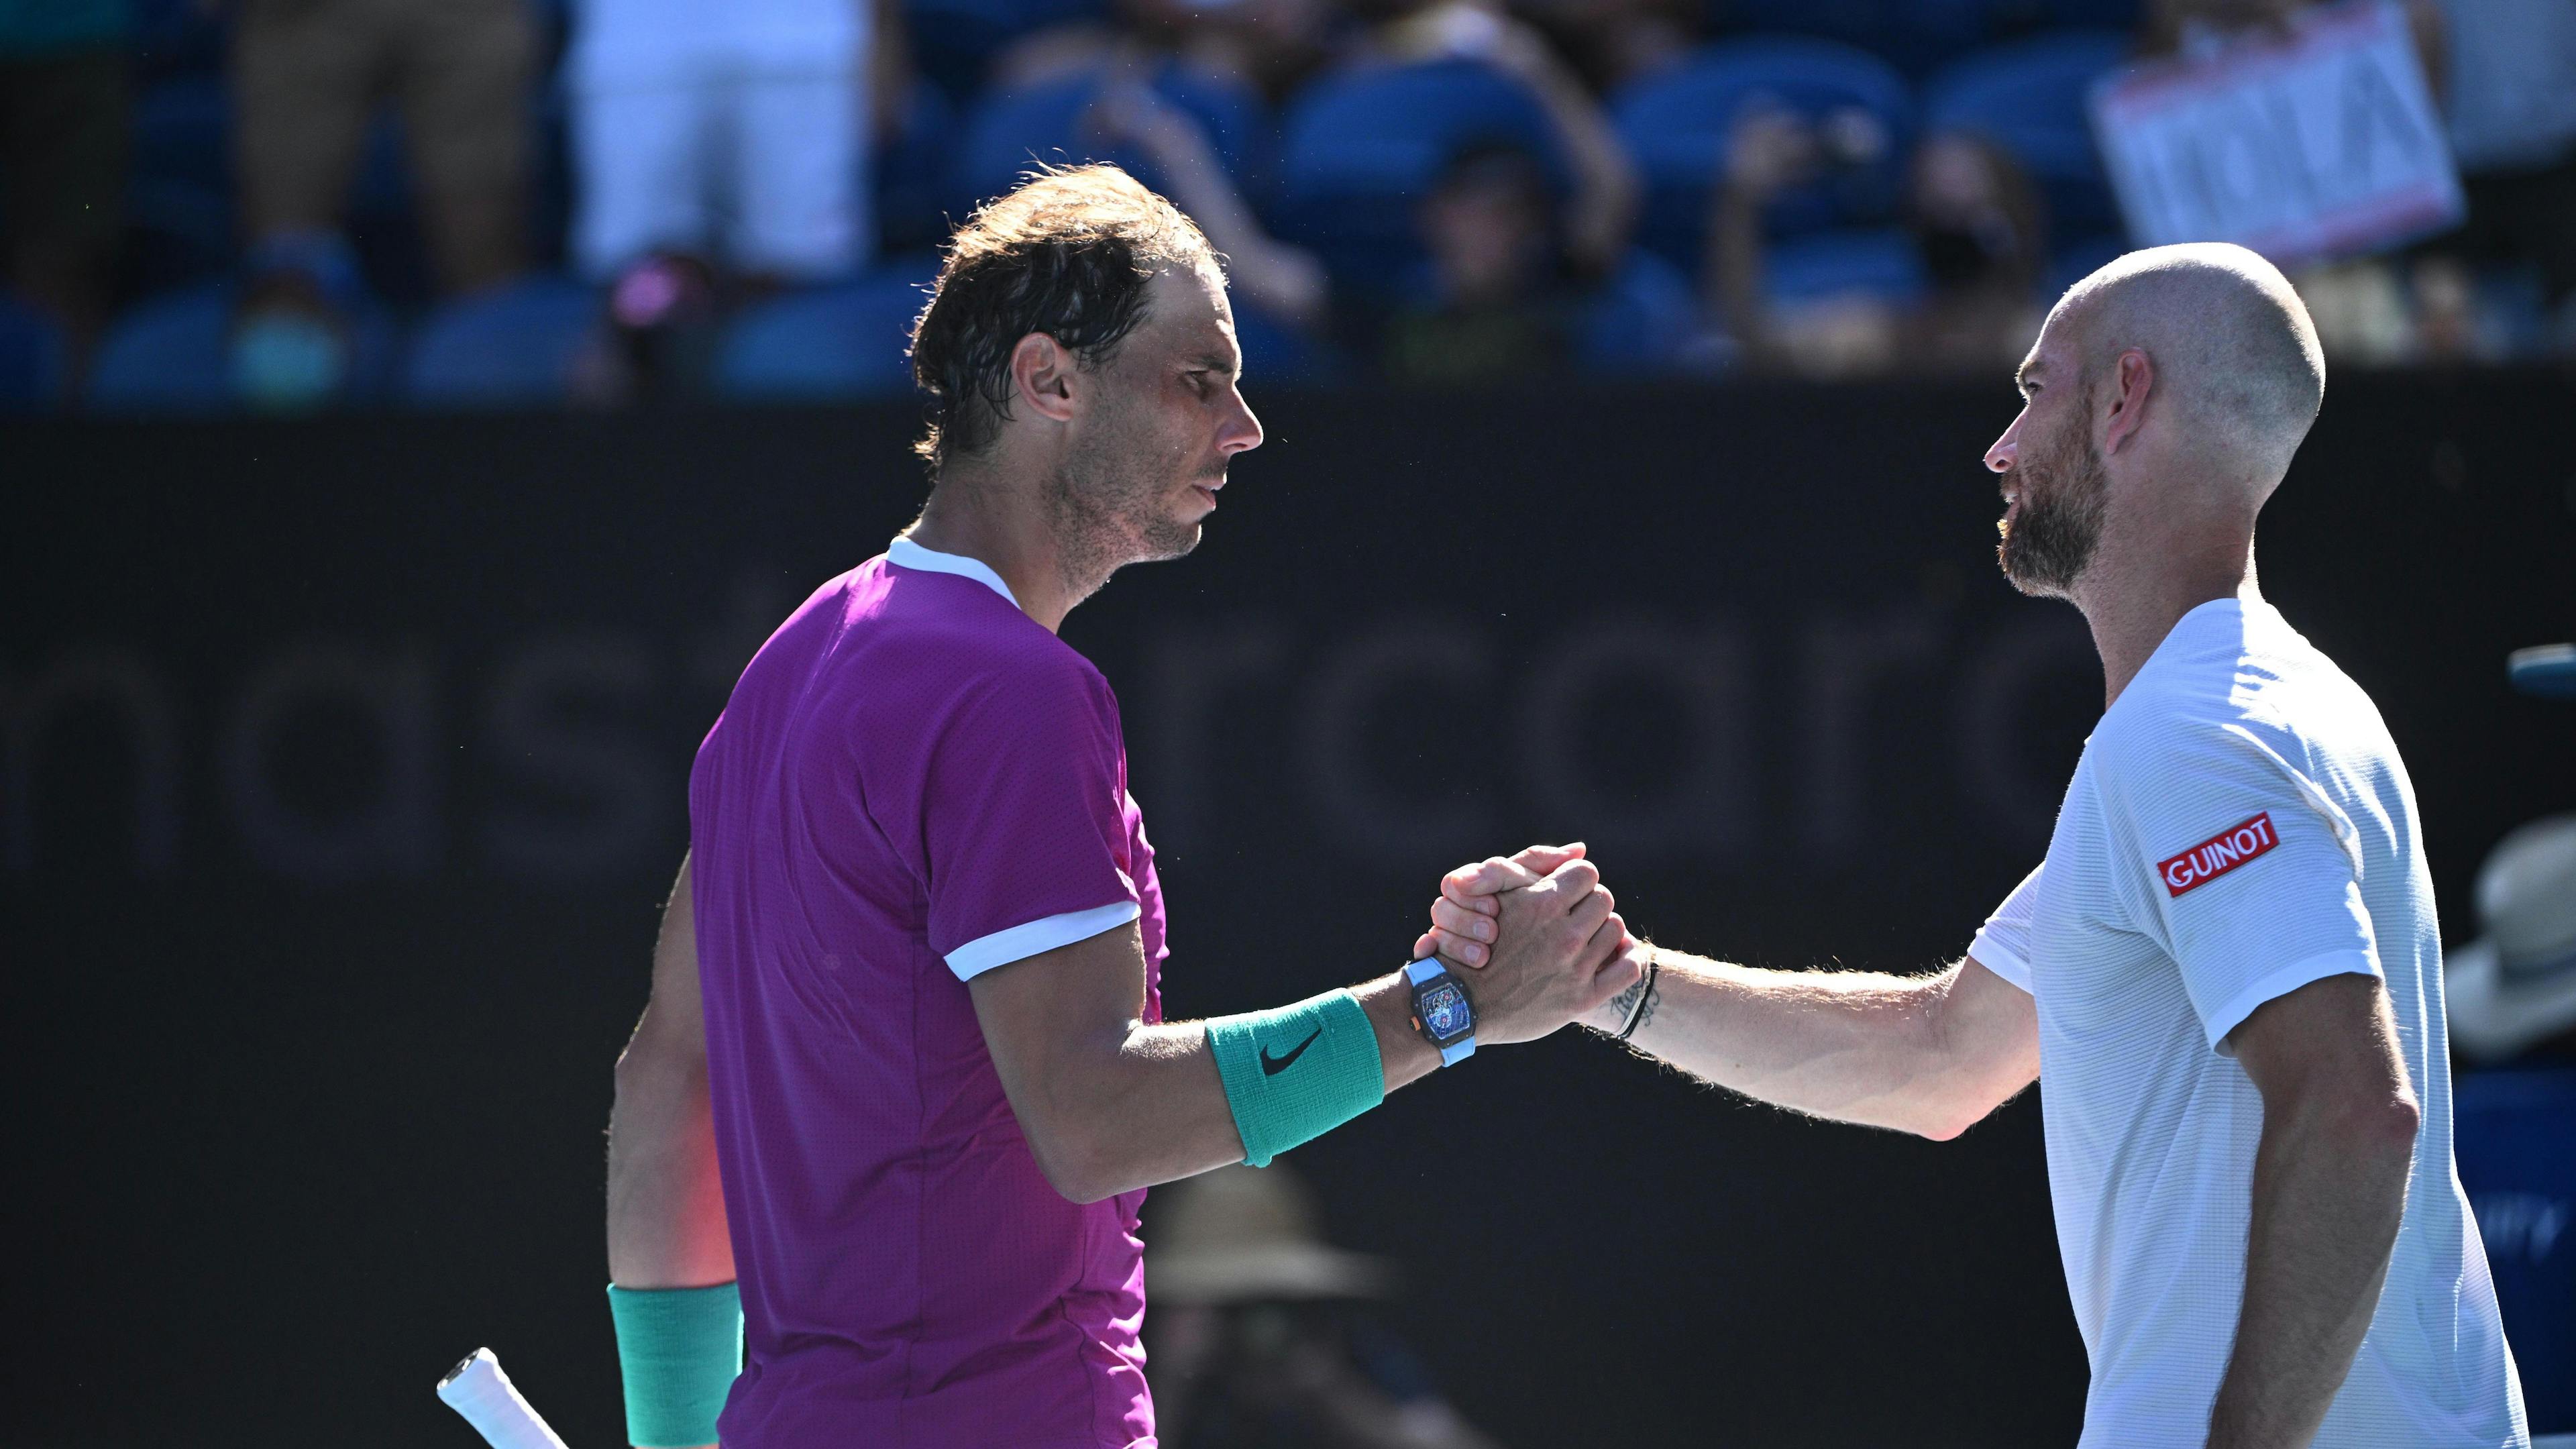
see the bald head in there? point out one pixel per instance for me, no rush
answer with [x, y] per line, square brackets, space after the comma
[2236, 358]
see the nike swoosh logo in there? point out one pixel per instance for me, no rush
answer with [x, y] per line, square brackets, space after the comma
[1272, 1066]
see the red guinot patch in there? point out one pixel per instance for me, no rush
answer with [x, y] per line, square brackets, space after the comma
[2218, 855]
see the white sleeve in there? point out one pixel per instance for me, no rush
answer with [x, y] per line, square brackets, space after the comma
[2239, 865]
[1035, 938]
[2003, 942]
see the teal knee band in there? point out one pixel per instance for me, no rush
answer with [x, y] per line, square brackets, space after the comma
[679, 1349]
[1298, 1072]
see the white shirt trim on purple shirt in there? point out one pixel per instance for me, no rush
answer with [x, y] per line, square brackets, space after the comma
[907, 554]
[1032, 938]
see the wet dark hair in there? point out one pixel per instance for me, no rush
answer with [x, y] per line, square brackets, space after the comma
[1068, 254]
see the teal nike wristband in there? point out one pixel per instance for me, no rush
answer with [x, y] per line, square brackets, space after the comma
[679, 1350]
[1297, 1072]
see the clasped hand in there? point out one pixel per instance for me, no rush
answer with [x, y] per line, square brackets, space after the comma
[1539, 939]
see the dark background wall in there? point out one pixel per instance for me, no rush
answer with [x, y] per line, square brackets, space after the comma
[342, 780]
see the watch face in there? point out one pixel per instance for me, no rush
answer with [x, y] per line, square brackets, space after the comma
[1445, 1016]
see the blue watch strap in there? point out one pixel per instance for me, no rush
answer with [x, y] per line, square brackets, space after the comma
[1417, 972]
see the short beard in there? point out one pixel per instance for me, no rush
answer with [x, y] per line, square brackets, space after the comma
[1104, 514]
[2064, 495]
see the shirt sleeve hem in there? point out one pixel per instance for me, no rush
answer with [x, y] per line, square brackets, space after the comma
[2002, 960]
[2346, 962]
[1032, 938]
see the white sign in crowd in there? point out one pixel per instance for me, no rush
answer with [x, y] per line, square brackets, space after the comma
[2323, 142]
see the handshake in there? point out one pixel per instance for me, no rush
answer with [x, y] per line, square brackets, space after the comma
[1538, 942]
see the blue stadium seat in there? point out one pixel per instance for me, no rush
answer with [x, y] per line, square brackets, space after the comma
[1644, 319]
[31, 359]
[954, 40]
[2029, 98]
[1676, 125]
[2511, 1134]
[512, 346]
[169, 354]
[1008, 132]
[1881, 263]
[166, 355]
[1361, 147]
[846, 341]
[1914, 35]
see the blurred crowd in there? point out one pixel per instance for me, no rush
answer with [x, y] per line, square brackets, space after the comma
[1264, 1335]
[294, 203]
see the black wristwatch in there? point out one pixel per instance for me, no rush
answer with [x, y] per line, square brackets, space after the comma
[1441, 1010]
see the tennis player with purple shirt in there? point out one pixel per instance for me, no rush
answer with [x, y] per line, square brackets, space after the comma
[904, 1077]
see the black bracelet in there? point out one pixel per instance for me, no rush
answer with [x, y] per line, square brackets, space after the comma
[1646, 991]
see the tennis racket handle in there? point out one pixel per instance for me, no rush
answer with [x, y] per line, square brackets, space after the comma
[479, 1390]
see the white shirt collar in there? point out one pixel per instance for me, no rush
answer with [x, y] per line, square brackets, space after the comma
[911, 555]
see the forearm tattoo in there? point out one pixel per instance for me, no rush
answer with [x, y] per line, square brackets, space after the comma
[1645, 987]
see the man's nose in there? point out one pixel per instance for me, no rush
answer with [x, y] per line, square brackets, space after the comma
[1242, 433]
[2006, 450]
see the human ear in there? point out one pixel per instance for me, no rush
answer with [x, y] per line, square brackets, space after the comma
[2133, 376]
[1042, 376]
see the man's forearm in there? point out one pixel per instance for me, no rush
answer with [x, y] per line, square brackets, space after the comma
[666, 1214]
[1851, 1046]
[1157, 1111]
[2329, 1191]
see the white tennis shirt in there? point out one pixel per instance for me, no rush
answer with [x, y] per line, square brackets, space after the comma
[2239, 827]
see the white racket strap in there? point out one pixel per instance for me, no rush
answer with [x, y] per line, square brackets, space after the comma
[479, 1390]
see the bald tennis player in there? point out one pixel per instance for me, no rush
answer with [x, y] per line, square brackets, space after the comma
[904, 1076]
[2227, 970]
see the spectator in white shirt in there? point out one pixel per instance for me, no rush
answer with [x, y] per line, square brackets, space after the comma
[717, 147]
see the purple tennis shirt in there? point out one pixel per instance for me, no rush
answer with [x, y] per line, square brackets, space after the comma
[913, 782]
